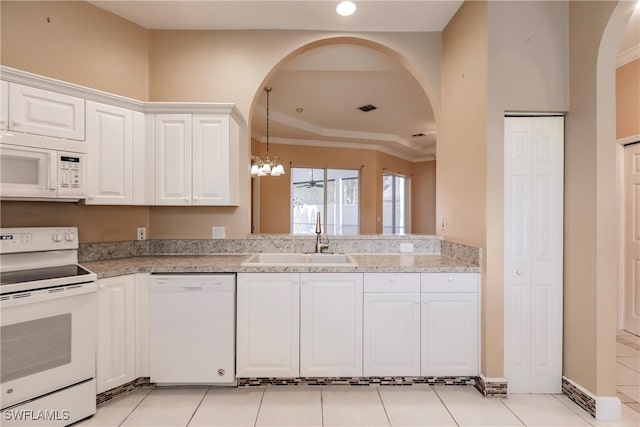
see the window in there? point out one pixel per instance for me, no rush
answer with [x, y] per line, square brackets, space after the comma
[395, 204]
[335, 193]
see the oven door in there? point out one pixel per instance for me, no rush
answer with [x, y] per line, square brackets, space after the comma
[28, 172]
[48, 341]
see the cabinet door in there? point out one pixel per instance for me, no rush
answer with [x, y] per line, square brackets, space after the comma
[391, 334]
[331, 324]
[449, 334]
[109, 154]
[173, 159]
[4, 105]
[268, 319]
[46, 113]
[115, 356]
[211, 160]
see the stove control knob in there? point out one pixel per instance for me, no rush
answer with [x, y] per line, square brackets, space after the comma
[70, 236]
[58, 237]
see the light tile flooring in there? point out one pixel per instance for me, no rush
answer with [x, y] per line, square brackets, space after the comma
[341, 406]
[367, 406]
[628, 369]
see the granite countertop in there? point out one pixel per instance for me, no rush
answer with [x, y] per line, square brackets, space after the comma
[231, 263]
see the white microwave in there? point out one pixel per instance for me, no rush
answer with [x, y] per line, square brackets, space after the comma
[29, 173]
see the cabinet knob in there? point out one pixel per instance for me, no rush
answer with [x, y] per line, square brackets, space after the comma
[450, 279]
[91, 197]
[196, 198]
[417, 301]
[519, 272]
[101, 286]
[16, 122]
[392, 280]
[424, 301]
[186, 199]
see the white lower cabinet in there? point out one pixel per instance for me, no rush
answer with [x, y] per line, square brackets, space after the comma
[450, 325]
[331, 324]
[116, 344]
[391, 344]
[268, 324]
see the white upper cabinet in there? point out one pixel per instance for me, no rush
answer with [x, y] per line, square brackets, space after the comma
[109, 154]
[215, 161]
[197, 160]
[331, 324]
[268, 325]
[47, 113]
[173, 159]
[4, 105]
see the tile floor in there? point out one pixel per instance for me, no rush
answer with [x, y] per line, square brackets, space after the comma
[366, 406]
[341, 406]
[628, 369]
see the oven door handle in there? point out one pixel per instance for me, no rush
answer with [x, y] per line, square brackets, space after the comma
[53, 170]
[42, 295]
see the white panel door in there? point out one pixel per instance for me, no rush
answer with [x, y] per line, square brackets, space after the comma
[47, 113]
[534, 174]
[331, 324]
[210, 160]
[116, 344]
[4, 105]
[449, 344]
[268, 325]
[173, 159]
[109, 154]
[391, 334]
[632, 239]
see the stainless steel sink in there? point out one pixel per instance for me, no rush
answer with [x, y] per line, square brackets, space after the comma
[299, 260]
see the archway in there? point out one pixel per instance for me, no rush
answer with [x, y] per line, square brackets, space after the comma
[429, 97]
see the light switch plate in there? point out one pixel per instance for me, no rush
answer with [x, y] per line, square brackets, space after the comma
[217, 232]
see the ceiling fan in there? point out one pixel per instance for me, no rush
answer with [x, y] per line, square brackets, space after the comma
[309, 184]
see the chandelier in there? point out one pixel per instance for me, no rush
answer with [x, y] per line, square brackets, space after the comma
[270, 165]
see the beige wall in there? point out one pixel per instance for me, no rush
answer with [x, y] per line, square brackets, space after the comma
[275, 192]
[232, 66]
[87, 46]
[589, 354]
[81, 44]
[461, 175]
[95, 223]
[423, 197]
[628, 99]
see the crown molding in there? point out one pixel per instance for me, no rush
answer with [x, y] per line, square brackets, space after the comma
[628, 55]
[13, 75]
[425, 155]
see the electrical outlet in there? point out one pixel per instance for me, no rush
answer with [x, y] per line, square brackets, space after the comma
[406, 247]
[217, 232]
[142, 233]
[443, 224]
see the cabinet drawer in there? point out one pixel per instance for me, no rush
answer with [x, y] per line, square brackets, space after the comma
[391, 282]
[450, 282]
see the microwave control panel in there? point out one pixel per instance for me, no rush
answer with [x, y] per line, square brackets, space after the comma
[70, 172]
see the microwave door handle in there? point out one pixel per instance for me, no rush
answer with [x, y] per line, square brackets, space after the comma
[53, 170]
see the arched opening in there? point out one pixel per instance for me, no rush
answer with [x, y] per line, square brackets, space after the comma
[315, 125]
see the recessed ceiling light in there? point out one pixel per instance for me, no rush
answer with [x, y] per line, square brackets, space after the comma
[346, 8]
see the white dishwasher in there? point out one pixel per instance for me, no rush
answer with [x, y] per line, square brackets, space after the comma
[192, 328]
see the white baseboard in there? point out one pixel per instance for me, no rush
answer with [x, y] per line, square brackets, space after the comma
[608, 408]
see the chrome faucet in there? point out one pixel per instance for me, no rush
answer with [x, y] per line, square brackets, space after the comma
[320, 246]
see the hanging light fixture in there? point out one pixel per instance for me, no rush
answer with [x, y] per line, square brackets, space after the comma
[270, 165]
